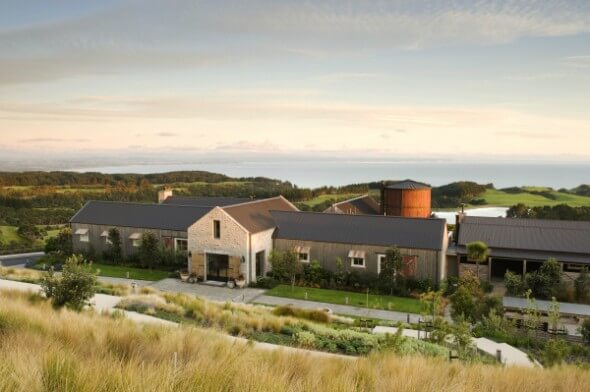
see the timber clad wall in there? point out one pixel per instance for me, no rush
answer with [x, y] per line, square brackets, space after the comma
[327, 253]
[99, 244]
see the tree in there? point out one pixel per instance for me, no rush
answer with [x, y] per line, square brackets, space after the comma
[148, 250]
[462, 304]
[554, 315]
[545, 282]
[390, 276]
[74, 287]
[285, 266]
[462, 338]
[477, 251]
[514, 284]
[433, 304]
[60, 244]
[115, 245]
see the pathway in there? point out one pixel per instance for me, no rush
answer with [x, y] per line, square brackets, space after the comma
[106, 303]
[19, 259]
[223, 294]
[511, 356]
[339, 309]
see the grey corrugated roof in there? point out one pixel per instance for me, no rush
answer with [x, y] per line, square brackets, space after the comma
[529, 255]
[255, 216]
[140, 215]
[359, 205]
[527, 234]
[205, 201]
[408, 184]
[417, 233]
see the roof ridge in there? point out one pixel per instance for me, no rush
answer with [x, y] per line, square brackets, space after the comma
[252, 202]
[141, 204]
[361, 215]
[354, 198]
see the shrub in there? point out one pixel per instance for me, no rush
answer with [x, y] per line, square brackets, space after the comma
[305, 339]
[74, 287]
[265, 282]
[554, 352]
[313, 273]
[308, 314]
[462, 304]
[514, 284]
[585, 330]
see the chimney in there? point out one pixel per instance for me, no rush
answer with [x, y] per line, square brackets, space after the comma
[164, 194]
[458, 220]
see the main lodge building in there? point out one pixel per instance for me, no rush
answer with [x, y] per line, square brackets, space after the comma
[228, 237]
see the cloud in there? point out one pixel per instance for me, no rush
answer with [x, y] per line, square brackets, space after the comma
[166, 134]
[527, 135]
[577, 61]
[152, 35]
[52, 140]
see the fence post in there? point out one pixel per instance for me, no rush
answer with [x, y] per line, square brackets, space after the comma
[408, 318]
[499, 356]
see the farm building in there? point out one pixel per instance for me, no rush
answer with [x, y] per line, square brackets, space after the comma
[360, 241]
[520, 245]
[362, 205]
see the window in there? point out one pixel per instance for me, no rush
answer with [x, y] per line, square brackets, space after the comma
[135, 240]
[304, 257]
[181, 245]
[216, 229]
[380, 260]
[357, 258]
[105, 236]
[83, 235]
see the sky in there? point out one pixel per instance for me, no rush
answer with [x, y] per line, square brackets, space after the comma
[465, 78]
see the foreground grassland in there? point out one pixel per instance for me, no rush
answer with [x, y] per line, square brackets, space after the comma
[385, 302]
[47, 350]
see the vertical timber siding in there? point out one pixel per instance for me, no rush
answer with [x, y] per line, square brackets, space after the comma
[99, 245]
[327, 253]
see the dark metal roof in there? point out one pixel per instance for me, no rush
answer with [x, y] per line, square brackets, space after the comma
[416, 233]
[255, 216]
[529, 255]
[539, 235]
[204, 201]
[408, 184]
[364, 205]
[140, 215]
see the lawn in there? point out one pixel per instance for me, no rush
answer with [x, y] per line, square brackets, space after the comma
[322, 198]
[494, 197]
[116, 271]
[385, 302]
[9, 234]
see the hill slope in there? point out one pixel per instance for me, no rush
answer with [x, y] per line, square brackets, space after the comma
[42, 349]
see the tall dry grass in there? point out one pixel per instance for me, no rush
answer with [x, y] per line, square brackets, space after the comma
[46, 350]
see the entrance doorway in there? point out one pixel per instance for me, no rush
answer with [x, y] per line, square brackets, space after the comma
[217, 267]
[260, 256]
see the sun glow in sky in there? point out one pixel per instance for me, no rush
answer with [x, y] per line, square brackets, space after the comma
[372, 78]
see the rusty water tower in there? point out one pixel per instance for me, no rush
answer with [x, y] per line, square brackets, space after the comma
[406, 198]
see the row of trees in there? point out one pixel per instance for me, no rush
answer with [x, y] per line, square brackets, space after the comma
[558, 212]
